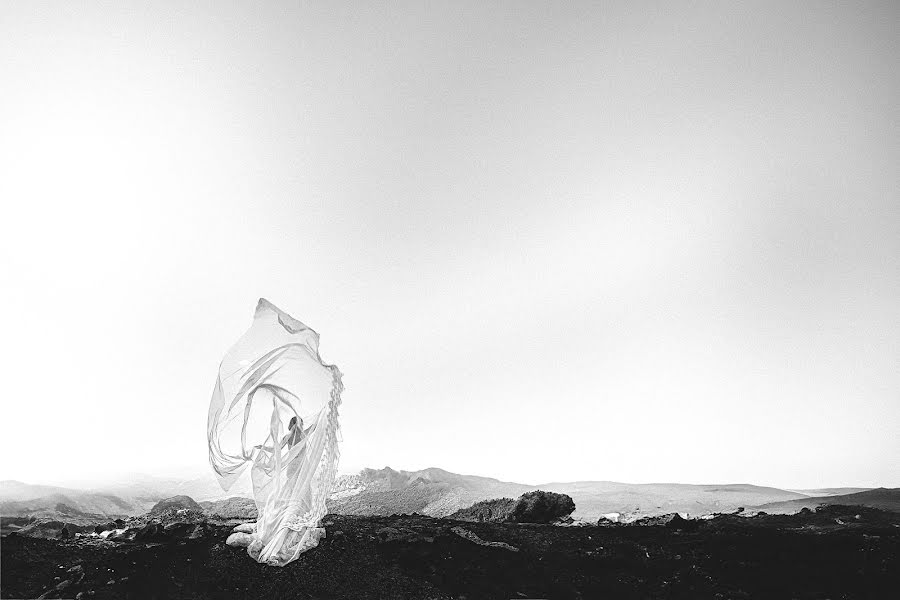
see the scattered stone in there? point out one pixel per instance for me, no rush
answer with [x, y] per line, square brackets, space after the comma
[239, 539]
[59, 587]
[387, 535]
[199, 531]
[246, 528]
[111, 534]
[468, 535]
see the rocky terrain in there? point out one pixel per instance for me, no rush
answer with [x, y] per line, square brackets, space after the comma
[835, 552]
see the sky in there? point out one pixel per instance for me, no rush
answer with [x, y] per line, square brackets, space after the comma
[640, 242]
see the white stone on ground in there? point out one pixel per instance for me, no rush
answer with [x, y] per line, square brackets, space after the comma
[239, 539]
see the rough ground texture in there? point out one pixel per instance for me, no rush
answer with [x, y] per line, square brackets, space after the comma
[831, 553]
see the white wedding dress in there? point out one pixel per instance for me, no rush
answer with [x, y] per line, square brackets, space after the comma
[274, 374]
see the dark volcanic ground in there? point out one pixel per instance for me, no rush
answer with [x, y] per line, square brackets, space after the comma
[831, 553]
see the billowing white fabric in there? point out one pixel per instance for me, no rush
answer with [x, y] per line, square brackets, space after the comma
[275, 407]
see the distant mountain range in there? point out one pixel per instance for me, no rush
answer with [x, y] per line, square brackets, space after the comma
[436, 492]
[883, 498]
[838, 491]
[432, 492]
[135, 496]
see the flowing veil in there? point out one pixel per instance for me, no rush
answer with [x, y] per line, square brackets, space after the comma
[271, 375]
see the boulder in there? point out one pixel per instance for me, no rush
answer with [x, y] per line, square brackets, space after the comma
[239, 539]
[246, 528]
[472, 537]
[542, 507]
[175, 502]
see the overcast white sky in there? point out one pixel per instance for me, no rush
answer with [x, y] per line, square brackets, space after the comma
[625, 241]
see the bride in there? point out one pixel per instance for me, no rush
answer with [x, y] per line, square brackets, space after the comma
[272, 375]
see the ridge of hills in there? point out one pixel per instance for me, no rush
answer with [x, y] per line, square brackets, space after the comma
[883, 498]
[121, 499]
[437, 493]
[834, 491]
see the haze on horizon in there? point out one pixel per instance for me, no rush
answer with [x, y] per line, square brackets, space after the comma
[598, 241]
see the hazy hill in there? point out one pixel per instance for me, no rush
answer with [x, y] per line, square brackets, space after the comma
[157, 488]
[837, 491]
[432, 492]
[21, 499]
[114, 500]
[135, 495]
[10, 489]
[883, 498]
[71, 504]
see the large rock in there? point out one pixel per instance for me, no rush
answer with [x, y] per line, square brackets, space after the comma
[531, 507]
[239, 539]
[542, 507]
[474, 538]
[490, 511]
[175, 502]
